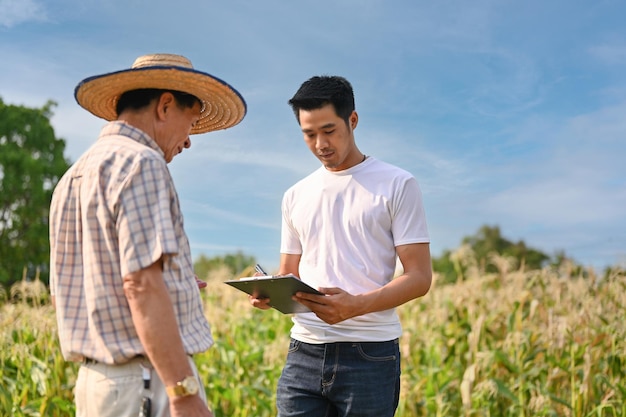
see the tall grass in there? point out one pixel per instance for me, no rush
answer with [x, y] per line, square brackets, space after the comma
[34, 379]
[515, 343]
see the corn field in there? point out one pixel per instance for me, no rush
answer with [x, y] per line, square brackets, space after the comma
[516, 343]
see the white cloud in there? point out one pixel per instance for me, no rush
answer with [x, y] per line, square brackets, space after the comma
[500, 120]
[14, 12]
[212, 214]
[610, 53]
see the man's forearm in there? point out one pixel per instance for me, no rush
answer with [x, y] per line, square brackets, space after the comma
[415, 282]
[397, 292]
[156, 325]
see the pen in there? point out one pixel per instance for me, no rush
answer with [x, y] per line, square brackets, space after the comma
[259, 269]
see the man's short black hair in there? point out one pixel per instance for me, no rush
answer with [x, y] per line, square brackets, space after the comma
[319, 91]
[138, 99]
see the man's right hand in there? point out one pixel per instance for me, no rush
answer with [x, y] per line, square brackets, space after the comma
[189, 406]
[262, 303]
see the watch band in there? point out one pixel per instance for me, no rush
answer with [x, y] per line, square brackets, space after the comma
[187, 386]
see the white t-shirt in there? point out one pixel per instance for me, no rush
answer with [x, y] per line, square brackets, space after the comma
[346, 225]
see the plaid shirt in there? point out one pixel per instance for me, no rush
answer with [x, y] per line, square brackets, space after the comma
[114, 212]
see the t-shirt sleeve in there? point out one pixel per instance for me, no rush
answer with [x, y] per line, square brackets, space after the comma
[289, 238]
[409, 217]
[145, 223]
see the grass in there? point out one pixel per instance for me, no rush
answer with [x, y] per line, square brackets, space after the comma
[516, 343]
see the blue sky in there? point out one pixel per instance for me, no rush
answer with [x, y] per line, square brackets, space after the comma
[509, 113]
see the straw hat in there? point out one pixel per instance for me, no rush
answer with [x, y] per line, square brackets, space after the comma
[223, 105]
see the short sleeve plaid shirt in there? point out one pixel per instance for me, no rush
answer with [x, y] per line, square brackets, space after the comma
[115, 212]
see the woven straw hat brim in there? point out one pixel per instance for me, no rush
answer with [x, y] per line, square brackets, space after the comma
[224, 107]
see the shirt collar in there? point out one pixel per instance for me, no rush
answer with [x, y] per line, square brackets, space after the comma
[121, 128]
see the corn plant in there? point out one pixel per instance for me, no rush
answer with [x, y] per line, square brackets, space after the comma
[512, 343]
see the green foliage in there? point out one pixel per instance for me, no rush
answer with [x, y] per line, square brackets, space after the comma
[235, 263]
[31, 163]
[445, 267]
[488, 240]
[509, 344]
[34, 378]
[480, 250]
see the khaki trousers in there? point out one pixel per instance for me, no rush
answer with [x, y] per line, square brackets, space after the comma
[117, 390]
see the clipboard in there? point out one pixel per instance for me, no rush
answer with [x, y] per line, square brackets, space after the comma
[278, 288]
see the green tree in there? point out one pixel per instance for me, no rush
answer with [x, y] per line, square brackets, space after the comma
[236, 264]
[445, 267]
[31, 163]
[488, 239]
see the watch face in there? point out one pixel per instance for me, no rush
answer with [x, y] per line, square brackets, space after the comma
[191, 385]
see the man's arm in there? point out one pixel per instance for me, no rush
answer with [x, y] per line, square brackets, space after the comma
[338, 305]
[289, 264]
[155, 322]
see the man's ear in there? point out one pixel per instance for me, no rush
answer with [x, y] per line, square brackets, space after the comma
[354, 119]
[164, 104]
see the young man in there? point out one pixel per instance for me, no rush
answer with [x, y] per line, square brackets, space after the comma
[121, 273]
[343, 227]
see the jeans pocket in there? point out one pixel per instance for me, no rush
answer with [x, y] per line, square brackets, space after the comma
[377, 352]
[294, 345]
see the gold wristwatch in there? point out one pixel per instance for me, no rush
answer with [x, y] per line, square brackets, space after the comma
[188, 386]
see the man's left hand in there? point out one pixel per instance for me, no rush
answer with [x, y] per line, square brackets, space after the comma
[334, 306]
[199, 282]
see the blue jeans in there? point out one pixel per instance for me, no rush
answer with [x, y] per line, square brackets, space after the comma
[340, 379]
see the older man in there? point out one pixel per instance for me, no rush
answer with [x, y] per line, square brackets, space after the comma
[128, 305]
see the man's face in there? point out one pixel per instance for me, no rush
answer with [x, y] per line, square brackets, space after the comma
[329, 138]
[179, 123]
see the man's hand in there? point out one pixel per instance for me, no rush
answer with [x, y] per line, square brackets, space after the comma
[334, 306]
[262, 303]
[201, 284]
[189, 406]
